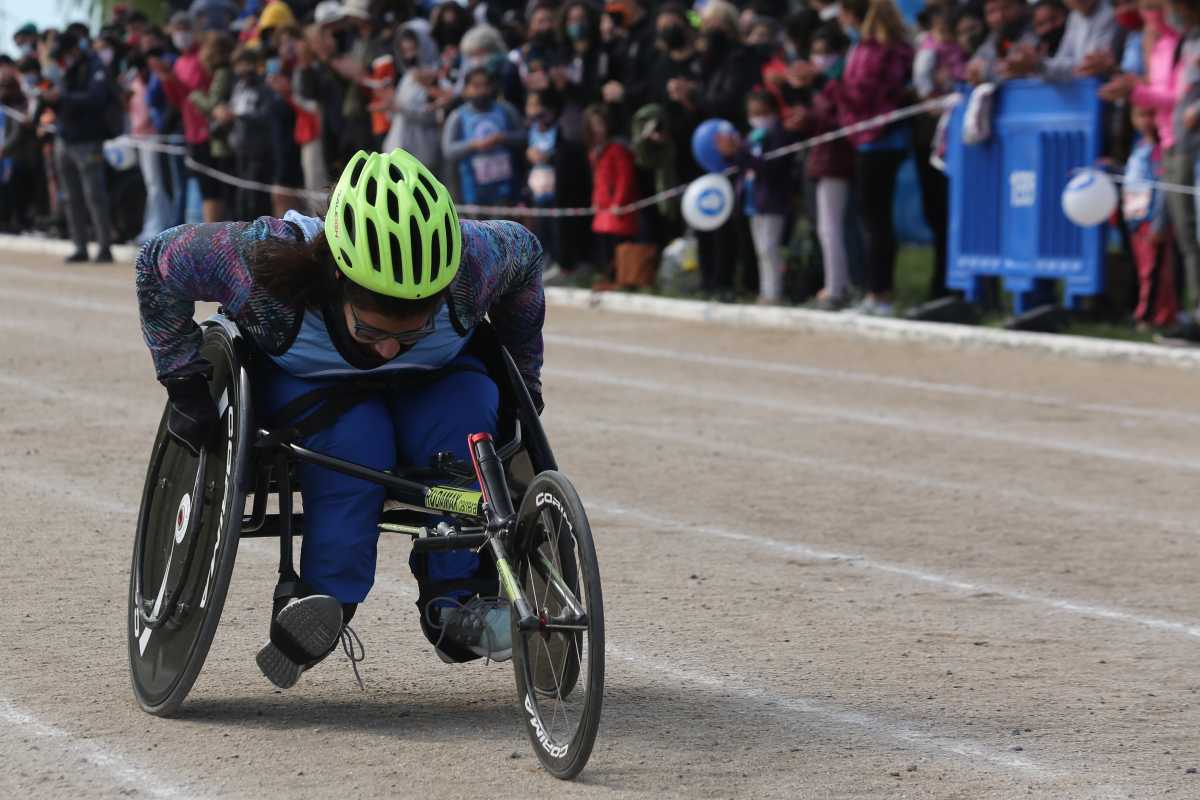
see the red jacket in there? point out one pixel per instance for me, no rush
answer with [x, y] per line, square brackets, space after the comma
[614, 183]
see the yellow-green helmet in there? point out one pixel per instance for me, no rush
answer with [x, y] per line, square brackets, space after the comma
[392, 226]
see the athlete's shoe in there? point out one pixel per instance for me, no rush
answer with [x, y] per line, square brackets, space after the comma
[481, 626]
[303, 632]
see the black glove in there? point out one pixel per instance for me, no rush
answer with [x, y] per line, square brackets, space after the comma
[192, 414]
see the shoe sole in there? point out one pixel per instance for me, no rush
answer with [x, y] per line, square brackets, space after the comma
[315, 624]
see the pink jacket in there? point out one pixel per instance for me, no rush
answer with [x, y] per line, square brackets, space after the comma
[189, 75]
[1159, 91]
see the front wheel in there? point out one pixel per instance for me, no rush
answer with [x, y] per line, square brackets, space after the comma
[559, 667]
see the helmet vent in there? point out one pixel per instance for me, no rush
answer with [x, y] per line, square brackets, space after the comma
[422, 203]
[394, 249]
[348, 221]
[373, 244]
[449, 240]
[424, 179]
[435, 257]
[414, 237]
[358, 168]
[370, 192]
[393, 203]
[395, 174]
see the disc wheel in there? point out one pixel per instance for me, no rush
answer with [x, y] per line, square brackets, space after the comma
[186, 542]
[560, 667]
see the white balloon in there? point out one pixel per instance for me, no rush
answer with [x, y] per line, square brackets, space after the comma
[1089, 198]
[120, 154]
[708, 202]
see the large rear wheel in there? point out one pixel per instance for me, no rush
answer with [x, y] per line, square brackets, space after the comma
[186, 541]
[559, 667]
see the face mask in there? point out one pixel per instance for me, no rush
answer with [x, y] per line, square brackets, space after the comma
[105, 56]
[28, 83]
[543, 39]
[27, 49]
[851, 33]
[182, 40]
[481, 102]
[716, 42]
[763, 123]
[577, 32]
[1052, 39]
[1130, 19]
[84, 43]
[673, 37]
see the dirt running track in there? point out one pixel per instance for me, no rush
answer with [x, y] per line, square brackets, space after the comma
[832, 568]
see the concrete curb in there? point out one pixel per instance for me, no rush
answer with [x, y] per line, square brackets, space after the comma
[60, 247]
[964, 337]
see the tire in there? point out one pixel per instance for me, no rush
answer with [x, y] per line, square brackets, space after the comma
[560, 674]
[165, 657]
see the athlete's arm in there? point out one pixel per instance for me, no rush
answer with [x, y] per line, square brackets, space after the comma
[193, 263]
[502, 262]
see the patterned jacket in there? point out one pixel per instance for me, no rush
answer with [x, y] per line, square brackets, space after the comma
[500, 277]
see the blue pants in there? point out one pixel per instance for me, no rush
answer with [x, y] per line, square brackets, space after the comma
[407, 426]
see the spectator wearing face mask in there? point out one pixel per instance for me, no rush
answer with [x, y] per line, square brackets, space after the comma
[676, 83]
[479, 138]
[250, 105]
[634, 56]
[765, 188]
[81, 100]
[483, 46]
[874, 82]
[26, 40]
[585, 65]
[1049, 23]
[730, 68]
[18, 158]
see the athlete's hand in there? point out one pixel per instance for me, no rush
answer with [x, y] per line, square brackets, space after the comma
[192, 414]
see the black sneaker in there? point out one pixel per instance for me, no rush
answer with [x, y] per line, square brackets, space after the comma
[104, 257]
[78, 257]
[304, 631]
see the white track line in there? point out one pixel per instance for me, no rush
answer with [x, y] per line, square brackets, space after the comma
[763, 699]
[853, 376]
[923, 576]
[1179, 523]
[121, 771]
[943, 428]
[1189, 629]
[751, 364]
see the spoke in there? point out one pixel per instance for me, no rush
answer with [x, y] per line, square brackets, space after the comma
[557, 686]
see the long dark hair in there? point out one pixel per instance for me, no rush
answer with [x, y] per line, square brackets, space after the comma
[303, 275]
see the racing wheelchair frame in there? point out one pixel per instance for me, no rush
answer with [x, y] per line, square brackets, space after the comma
[524, 518]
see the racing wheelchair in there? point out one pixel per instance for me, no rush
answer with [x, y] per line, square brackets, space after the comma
[524, 519]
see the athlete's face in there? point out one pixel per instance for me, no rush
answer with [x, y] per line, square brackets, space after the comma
[384, 335]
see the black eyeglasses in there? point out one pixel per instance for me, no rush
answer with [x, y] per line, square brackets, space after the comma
[369, 334]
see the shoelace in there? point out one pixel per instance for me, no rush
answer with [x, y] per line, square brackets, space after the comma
[349, 639]
[480, 618]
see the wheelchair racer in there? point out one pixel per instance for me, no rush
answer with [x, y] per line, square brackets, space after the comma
[391, 283]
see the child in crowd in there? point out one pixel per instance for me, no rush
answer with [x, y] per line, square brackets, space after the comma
[765, 189]
[250, 134]
[1143, 208]
[614, 184]
[940, 62]
[479, 138]
[829, 167]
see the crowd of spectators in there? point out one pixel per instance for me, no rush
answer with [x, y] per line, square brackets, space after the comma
[542, 104]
